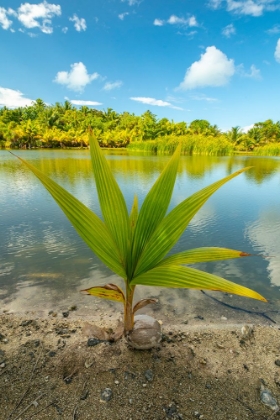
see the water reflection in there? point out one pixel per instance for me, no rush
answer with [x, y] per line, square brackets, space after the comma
[43, 262]
[264, 235]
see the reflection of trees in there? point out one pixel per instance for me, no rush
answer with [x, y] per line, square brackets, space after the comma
[263, 168]
[197, 166]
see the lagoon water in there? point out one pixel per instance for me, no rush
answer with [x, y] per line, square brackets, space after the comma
[44, 263]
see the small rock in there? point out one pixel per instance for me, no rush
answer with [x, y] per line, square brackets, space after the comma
[65, 314]
[25, 323]
[223, 318]
[220, 346]
[3, 365]
[268, 399]
[277, 362]
[149, 375]
[84, 395]
[171, 410]
[93, 342]
[106, 395]
[247, 332]
[52, 353]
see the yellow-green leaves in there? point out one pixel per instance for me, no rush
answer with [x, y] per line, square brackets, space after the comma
[155, 206]
[179, 276]
[111, 199]
[197, 255]
[108, 291]
[174, 224]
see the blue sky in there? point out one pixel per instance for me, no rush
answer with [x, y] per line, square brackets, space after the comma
[186, 59]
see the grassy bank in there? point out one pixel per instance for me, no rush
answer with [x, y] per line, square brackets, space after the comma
[191, 145]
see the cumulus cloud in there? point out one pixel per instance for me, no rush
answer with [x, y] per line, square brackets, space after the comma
[158, 22]
[123, 15]
[84, 103]
[13, 98]
[77, 78]
[246, 7]
[176, 20]
[79, 23]
[5, 22]
[112, 85]
[154, 102]
[38, 15]
[277, 51]
[228, 30]
[213, 69]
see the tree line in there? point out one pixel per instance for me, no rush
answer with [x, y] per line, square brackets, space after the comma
[63, 125]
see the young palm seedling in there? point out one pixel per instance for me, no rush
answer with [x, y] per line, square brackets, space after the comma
[134, 245]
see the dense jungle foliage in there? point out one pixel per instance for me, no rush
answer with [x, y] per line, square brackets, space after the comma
[63, 125]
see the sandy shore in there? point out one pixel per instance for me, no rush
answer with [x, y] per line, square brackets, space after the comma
[48, 371]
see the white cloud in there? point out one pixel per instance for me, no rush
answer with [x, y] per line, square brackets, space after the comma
[229, 30]
[247, 128]
[158, 22]
[215, 4]
[86, 103]
[175, 20]
[274, 30]
[203, 98]
[79, 23]
[213, 69]
[13, 98]
[155, 102]
[192, 21]
[123, 15]
[65, 29]
[77, 78]
[4, 21]
[132, 2]
[277, 51]
[30, 15]
[253, 73]
[247, 7]
[112, 85]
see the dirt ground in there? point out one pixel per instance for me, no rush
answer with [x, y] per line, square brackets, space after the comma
[49, 371]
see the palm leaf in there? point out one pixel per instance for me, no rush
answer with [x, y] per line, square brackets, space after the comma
[108, 291]
[197, 255]
[111, 199]
[174, 224]
[92, 230]
[155, 205]
[186, 277]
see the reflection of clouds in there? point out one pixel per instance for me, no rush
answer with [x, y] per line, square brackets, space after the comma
[6, 268]
[203, 218]
[56, 241]
[20, 238]
[265, 237]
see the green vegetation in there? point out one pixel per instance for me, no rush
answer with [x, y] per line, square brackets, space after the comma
[63, 125]
[135, 245]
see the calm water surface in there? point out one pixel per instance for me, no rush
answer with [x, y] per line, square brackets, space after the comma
[44, 263]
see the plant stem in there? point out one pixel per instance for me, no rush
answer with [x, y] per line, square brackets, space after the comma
[128, 309]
